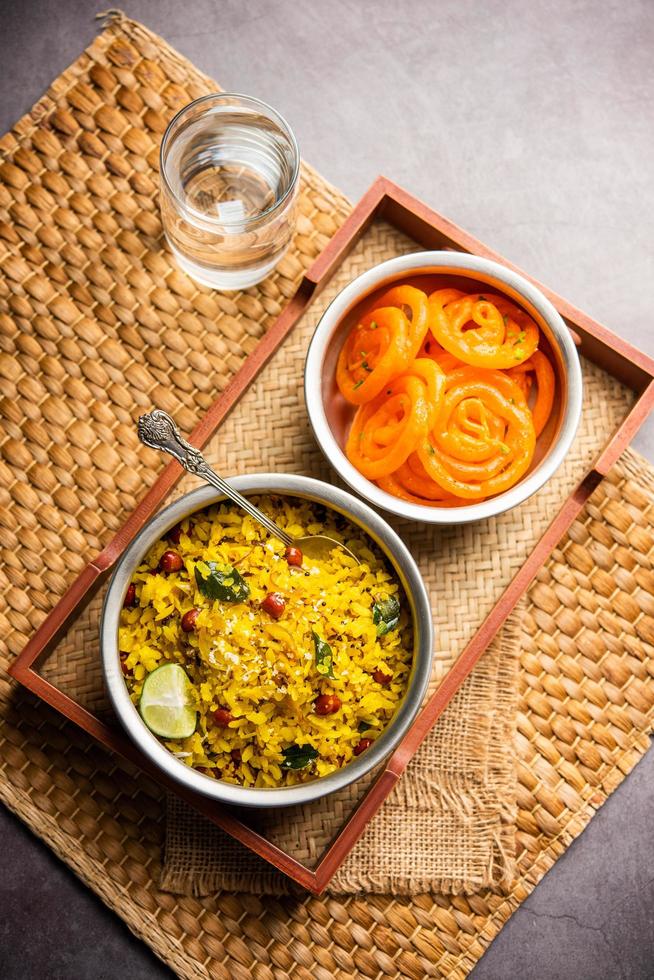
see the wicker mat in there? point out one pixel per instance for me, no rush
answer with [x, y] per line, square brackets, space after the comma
[95, 325]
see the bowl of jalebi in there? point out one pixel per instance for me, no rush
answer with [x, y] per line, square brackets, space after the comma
[443, 387]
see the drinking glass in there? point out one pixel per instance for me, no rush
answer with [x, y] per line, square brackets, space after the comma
[229, 179]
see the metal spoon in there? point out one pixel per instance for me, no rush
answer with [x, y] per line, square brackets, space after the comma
[158, 431]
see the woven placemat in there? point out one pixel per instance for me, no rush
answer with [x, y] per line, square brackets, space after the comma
[86, 308]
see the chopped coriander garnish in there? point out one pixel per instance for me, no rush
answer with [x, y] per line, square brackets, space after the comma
[358, 384]
[373, 325]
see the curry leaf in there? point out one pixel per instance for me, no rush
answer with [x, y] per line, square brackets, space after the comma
[386, 614]
[298, 756]
[221, 582]
[324, 657]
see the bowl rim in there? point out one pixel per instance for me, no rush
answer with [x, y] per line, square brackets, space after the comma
[392, 545]
[417, 263]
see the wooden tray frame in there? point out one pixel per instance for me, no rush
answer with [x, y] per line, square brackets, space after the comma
[384, 200]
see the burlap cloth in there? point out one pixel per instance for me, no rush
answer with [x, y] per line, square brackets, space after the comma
[449, 825]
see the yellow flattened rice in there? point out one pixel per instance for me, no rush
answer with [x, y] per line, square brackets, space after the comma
[288, 689]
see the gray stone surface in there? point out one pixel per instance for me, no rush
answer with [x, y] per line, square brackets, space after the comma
[531, 126]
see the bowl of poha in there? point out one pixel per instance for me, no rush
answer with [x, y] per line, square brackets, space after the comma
[251, 675]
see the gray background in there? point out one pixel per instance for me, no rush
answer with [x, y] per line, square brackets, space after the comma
[531, 125]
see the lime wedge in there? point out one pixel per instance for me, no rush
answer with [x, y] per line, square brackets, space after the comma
[167, 705]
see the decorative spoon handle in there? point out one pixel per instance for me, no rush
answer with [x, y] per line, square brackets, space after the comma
[158, 431]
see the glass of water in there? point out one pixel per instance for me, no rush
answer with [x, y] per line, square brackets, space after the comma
[229, 180]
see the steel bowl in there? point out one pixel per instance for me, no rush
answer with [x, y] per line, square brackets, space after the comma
[394, 550]
[331, 416]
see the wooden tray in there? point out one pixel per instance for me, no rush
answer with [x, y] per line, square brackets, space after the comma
[427, 229]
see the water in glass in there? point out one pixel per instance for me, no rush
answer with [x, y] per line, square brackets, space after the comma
[229, 179]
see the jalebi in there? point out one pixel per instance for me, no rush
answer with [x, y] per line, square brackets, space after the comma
[483, 440]
[408, 297]
[443, 387]
[378, 349]
[387, 429]
[482, 330]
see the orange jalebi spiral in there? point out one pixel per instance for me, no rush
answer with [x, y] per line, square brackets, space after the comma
[483, 439]
[539, 364]
[387, 429]
[482, 330]
[415, 300]
[383, 343]
[377, 350]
